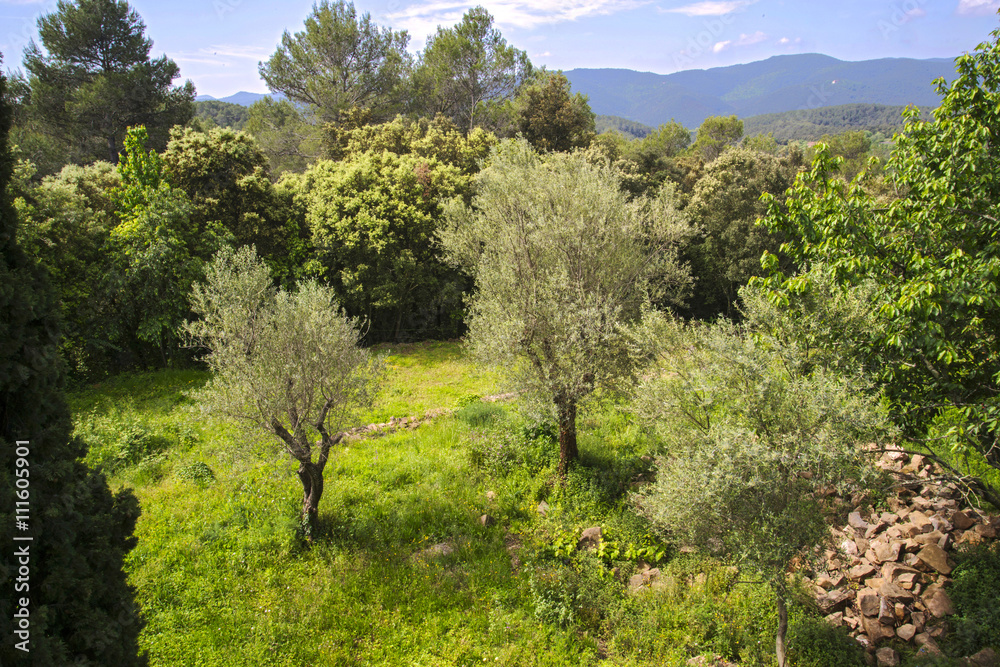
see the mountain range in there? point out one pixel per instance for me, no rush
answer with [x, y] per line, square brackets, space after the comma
[780, 83]
[243, 98]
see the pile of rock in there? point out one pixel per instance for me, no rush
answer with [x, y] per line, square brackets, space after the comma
[886, 577]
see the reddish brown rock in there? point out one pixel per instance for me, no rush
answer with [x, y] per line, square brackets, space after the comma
[868, 602]
[893, 592]
[862, 571]
[886, 553]
[938, 603]
[834, 601]
[590, 538]
[985, 658]
[887, 657]
[886, 614]
[850, 547]
[829, 582]
[876, 631]
[920, 521]
[988, 531]
[934, 556]
[906, 632]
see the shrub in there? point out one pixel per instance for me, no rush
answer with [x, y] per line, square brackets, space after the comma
[197, 472]
[975, 592]
[478, 414]
[118, 439]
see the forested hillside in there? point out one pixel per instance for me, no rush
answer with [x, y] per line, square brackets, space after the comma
[420, 361]
[811, 124]
[775, 85]
[222, 114]
[623, 125]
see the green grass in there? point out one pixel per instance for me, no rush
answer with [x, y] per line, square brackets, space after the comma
[428, 376]
[223, 579]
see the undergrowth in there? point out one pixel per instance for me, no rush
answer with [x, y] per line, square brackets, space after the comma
[405, 569]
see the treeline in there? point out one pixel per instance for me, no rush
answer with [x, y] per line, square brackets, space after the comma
[215, 113]
[345, 181]
[624, 125]
[812, 124]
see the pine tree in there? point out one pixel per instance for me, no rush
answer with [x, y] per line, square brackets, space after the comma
[95, 79]
[80, 609]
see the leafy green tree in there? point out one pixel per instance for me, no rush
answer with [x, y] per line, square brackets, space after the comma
[157, 252]
[853, 146]
[934, 255]
[284, 363]
[225, 176]
[95, 79]
[715, 134]
[751, 429]
[549, 117]
[373, 218]
[432, 138]
[340, 62]
[222, 114]
[725, 205]
[562, 260]
[470, 73]
[66, 222]
[80, 608]
[656, 159]
[291, 138]
[761, 143]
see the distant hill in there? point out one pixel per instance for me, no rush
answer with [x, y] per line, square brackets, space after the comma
[811, 124]
[224, 114]
[243, 98]
[778, 84]
[623, 125]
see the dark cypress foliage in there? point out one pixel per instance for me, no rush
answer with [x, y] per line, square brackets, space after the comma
[81, 610]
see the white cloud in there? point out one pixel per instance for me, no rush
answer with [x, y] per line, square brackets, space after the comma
[977, 7]
[785, 41]
[422, 18]
[916, 13]
[238, 51]
[710, 7]
[222, 55]
[744, 40]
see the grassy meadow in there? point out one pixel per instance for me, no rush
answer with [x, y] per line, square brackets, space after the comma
[403, 571]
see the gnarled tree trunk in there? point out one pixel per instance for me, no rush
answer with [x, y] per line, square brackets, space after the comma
[311, 476]
[567, 433]
[779, 641]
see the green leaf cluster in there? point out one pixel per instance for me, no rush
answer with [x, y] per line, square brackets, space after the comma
[932, 252]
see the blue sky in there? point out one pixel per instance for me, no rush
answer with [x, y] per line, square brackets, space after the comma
[218, 43]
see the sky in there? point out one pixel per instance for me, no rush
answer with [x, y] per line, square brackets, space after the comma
[219, 43]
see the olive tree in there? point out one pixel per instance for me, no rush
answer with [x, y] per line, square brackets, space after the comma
[562, 260]
[286, 363]
[751, 427]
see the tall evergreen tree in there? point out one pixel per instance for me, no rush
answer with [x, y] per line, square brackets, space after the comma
[470, 74]
[95, 78]
[78, 606]
[340, 62]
